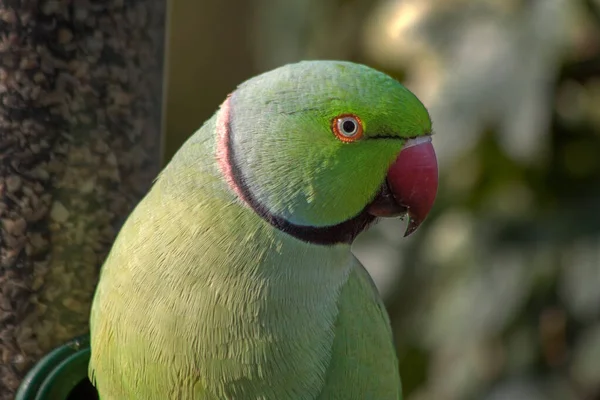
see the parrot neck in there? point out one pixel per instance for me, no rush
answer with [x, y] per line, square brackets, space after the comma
[244, 293]
[277, 299]
[344, 232]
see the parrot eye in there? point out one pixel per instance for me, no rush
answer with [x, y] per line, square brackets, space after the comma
[347, 127]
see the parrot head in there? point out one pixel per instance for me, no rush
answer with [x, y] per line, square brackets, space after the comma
[320, 149]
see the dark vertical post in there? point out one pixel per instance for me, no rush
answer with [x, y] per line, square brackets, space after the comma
[80, 126]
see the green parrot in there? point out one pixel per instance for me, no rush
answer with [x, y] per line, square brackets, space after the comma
[233, 277]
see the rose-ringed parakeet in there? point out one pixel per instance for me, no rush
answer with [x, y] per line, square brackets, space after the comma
[233, 278]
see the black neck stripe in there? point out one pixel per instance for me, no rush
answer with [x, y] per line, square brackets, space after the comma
[344, 232]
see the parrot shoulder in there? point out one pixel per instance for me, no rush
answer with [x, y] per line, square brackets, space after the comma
[363, 350]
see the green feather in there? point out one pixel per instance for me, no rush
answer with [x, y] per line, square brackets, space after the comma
[284, 121]
[201, 298]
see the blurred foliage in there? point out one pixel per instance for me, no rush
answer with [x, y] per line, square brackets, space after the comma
[498, 295]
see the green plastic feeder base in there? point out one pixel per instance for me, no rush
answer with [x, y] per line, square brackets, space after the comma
[60, 375]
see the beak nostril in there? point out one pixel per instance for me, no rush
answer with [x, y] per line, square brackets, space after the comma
[416, 141]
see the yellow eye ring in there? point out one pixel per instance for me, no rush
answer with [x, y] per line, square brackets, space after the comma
[347, 127]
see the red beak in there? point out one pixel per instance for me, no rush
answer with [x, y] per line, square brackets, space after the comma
[411, 184]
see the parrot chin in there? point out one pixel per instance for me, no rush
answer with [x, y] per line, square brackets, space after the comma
[410, 186]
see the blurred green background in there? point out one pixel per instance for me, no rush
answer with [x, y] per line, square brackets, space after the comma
[497, 296]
